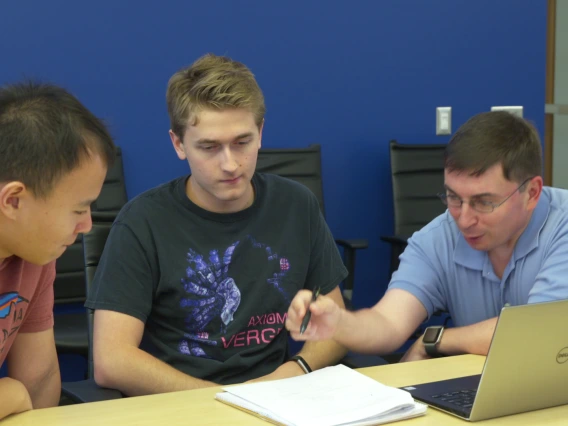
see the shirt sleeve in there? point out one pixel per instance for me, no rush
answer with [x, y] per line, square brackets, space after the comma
[326, 267]
[39, 316]
[550, 282]
[124, 280]
[420, 273]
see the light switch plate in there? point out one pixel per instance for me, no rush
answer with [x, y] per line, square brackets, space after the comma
[443, 120]
[515, 110]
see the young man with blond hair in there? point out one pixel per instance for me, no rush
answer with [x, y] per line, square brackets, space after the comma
[197, 275]
[503, 240]
[54, 156]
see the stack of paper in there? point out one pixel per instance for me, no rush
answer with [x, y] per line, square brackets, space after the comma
[332, 396]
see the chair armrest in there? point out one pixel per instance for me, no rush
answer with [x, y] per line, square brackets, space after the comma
[353, 244]
[88, 391]
[395, 239]
[349, 247]
[398, 244]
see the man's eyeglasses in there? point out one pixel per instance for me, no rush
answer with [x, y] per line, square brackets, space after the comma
[478, 204]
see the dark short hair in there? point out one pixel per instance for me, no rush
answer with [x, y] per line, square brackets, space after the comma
[496, 137]
[45, 133]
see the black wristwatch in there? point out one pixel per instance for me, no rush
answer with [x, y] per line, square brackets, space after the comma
[432, 337]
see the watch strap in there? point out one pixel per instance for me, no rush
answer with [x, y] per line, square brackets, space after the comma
[432, 347]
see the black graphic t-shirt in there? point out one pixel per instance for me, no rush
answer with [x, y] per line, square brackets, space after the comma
[214, 289]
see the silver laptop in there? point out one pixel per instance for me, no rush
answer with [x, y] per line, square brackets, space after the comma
[526, 368]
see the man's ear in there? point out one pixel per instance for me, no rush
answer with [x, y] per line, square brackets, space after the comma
[177, 142]
[534, 189]
[11, 198]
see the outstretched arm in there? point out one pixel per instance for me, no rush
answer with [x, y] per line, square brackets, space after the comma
[378, 330]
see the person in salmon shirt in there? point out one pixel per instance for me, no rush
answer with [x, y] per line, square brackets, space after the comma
[54, 155]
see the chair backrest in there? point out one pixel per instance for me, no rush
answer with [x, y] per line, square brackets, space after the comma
[417, 177]
[300, 164]
[70, 274]
[303, 165]
[93, 245]
[113, 193]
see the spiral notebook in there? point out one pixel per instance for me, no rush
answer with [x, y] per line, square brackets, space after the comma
[332, 396]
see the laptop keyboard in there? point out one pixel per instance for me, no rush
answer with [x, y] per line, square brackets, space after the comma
[463, 398]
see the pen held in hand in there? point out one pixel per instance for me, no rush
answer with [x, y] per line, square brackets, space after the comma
[308, 315]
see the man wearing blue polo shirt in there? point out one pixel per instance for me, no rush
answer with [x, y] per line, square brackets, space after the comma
[503, 240]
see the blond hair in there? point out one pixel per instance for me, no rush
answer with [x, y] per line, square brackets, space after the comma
[212, 82]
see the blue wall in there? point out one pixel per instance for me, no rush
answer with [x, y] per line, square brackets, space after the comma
[350, 75]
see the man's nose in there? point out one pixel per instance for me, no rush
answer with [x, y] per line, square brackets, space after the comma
[85, 224]
[228, 162]
[467, 217]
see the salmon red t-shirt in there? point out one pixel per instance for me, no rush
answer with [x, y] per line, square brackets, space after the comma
[26, 300]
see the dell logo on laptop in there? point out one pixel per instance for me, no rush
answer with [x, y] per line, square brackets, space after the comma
[562, 356]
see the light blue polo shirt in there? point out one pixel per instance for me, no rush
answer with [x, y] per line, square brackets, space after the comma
[442, 270]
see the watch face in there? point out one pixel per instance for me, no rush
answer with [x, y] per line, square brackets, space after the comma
[431, 334]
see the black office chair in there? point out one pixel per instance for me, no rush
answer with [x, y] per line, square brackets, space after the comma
[93, 245]
[303, 165]
[70, 328]
[417, 173]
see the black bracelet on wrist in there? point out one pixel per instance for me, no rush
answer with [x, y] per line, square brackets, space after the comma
[302, 363]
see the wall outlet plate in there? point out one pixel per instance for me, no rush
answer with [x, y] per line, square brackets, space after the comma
[443, 120]
[515, 110]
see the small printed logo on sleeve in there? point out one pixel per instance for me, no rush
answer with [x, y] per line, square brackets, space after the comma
[8, 302]
[562, 356]
[284, 264]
